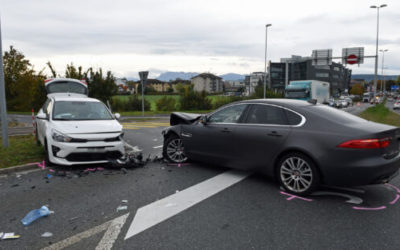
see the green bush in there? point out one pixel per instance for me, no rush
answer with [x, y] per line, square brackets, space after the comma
[118, 105]
[226, 100]
[192, 100]
[135, 104]
[166, 103]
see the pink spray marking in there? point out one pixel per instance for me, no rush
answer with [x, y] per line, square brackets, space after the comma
[42, 165]
[90, 169]
[292, 196]
[370, 208]
[395, 199]
[52, 170]
[394, 187]
[100, 169]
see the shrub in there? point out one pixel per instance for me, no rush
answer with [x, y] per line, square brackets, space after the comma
[226, 100]
[135, 104]
[191, 100]
[118, 105]
[166, 103]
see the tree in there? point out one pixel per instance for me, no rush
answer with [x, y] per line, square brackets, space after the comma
[24, 87]
[357, 89]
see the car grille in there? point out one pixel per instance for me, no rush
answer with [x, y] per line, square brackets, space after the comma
[87, 140]
[84, 157]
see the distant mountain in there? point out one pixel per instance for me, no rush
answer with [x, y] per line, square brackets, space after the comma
[167, 76]
[232, 77]
[132, 78]
[370, 77]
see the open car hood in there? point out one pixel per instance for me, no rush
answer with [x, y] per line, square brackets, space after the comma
[183, 118]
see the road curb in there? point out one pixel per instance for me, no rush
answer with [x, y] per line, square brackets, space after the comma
[18, 168]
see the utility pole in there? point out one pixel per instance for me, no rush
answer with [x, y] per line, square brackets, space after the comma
[3, 107]
[265, 58]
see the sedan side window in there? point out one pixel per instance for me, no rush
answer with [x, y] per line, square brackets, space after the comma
[266, 114]
[230, 114]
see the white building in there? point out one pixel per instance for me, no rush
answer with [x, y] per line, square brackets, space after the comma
[207, 82]
[254, 79]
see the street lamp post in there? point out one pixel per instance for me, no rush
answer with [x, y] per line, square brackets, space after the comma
[265, 58]
[376, 52]
[383, 85]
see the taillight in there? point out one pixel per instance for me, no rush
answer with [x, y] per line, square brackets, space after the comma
[366, 143]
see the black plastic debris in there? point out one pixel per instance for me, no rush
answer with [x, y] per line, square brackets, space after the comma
[128, 161]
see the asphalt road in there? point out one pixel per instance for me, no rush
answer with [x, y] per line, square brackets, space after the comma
[246, 213]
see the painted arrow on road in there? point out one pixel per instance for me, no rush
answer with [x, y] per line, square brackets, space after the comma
[159, 211]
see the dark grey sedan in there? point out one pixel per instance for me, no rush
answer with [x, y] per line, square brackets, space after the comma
[301, 143]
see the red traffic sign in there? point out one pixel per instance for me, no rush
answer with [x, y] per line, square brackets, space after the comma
[352, 59]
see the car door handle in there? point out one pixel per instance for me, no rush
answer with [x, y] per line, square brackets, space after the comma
[274, 133]
[225, 130]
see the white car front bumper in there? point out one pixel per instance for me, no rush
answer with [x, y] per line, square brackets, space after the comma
[91, 152]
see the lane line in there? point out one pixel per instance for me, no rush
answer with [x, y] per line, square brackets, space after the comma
[158, 146]
[109, 226]
[112, 233]
[158, 211]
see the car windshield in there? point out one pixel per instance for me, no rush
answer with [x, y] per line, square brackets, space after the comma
[298, 93]
[66, 87]
[80, 110]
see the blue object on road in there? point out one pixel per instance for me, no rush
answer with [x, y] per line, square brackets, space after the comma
[35, 214]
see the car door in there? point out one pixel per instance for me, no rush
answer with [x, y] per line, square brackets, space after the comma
[212, 141]
[41, 123]
[261, 136]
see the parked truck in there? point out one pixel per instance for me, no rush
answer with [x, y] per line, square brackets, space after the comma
[307, 90]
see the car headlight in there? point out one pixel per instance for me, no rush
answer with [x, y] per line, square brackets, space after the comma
[60, 137]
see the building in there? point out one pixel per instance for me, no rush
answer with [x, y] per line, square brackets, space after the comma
[301, 68]
[157, 85]
[252, 81]
[207, 82]
[122, 85]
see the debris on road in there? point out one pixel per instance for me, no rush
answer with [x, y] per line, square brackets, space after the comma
[121, 208]
[14, 185]
[35, 214]
[47, 234]
[8, 236]
[124, 201]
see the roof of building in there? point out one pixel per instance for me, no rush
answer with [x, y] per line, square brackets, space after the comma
[207, 75]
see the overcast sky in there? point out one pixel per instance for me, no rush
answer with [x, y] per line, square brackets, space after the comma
[194, 36]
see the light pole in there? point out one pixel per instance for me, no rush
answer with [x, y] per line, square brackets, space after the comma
[383, 62]
[3, 108]
[265, 59]
[377, 39]
[143, 78]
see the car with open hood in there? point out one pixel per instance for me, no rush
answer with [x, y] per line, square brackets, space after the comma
[301, 143]
[75, 129]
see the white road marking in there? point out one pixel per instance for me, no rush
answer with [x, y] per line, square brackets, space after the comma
[112, 233]
[158, 211]
[158, 146]
[108, 237]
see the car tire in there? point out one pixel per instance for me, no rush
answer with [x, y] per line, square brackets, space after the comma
[173, 150]
[297, 174]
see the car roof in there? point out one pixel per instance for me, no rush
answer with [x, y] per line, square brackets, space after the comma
[280, 101]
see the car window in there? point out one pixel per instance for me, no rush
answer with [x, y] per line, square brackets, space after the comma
[267, 114]
[45, 107]
[293, 118]
[333, 114]
[230, 114]
[74, 110]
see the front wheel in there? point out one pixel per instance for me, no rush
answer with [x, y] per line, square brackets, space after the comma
[173, 150]
[297, 174]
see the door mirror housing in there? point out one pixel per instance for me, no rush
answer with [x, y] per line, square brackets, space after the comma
[117, 116]
[203, 119]
[42, 116]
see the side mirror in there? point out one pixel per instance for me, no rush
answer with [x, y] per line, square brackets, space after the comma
[117, 116]
[203, 119]
[42, 116]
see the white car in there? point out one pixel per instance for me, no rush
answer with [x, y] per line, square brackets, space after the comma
[396, 105]
[76, 129]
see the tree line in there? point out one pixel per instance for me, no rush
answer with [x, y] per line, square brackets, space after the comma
[24, 85]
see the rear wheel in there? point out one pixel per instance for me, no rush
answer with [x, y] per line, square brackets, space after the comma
[174, 150]
[298, 174]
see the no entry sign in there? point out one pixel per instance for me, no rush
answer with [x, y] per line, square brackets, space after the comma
[352, 59]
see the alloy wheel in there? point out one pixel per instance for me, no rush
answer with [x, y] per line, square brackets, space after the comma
[296, 174]
[175, 151]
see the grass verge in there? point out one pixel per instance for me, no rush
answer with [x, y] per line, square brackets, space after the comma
[22, 149]
[381, 114]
